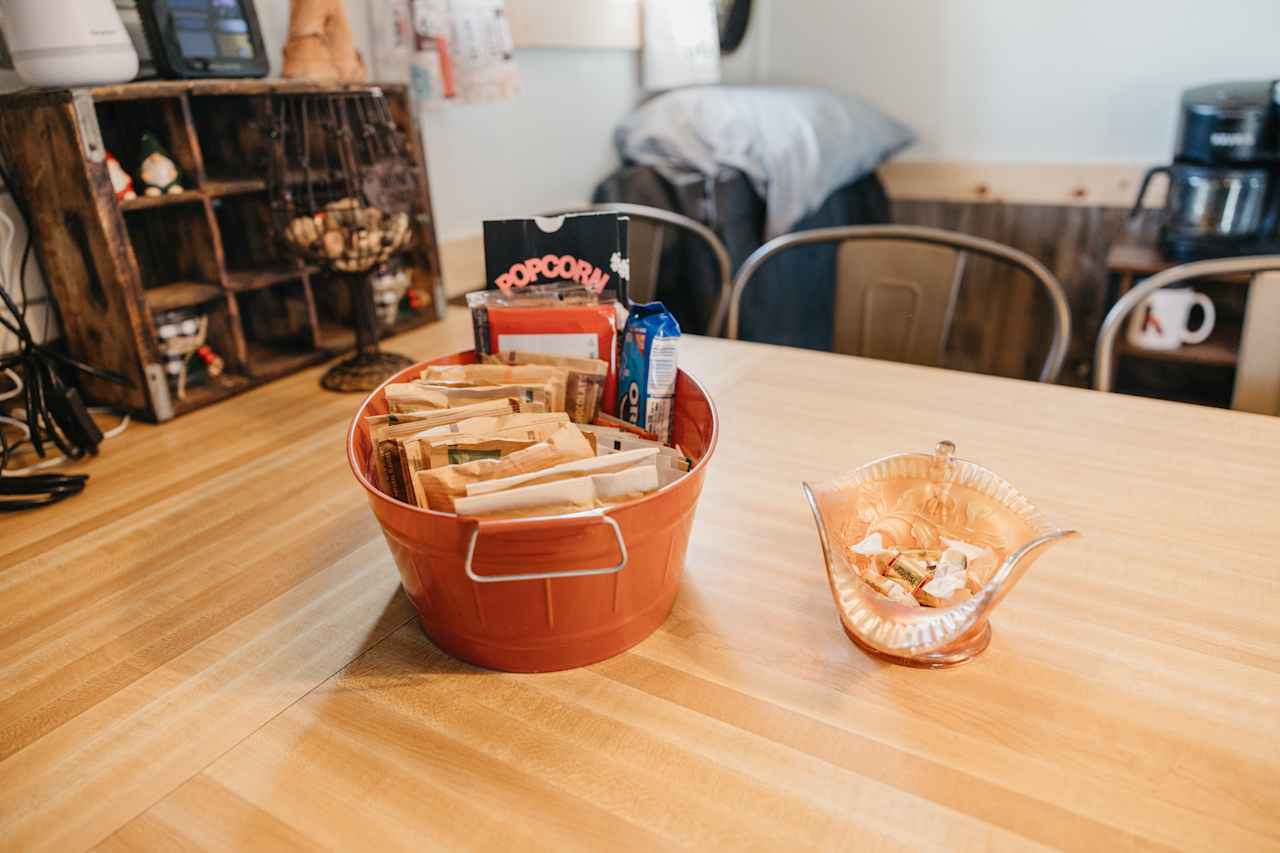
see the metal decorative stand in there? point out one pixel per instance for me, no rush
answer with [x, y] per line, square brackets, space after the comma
[342, 197]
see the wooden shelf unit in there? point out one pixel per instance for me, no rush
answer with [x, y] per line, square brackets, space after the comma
[111, 265]
[1195, 373]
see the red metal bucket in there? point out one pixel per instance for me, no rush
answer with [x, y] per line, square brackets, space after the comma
[541, 594]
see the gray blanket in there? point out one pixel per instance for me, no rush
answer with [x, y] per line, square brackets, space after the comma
[796, 144]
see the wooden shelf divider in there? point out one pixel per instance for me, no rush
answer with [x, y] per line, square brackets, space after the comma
[147, 202]
[255, 279]
[181, 294]
[217, 188]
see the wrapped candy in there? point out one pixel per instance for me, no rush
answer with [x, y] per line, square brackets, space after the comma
[980, 561]
[872, 552]
[912, 572]
[872, 545]
[891, 590]
[948, 581]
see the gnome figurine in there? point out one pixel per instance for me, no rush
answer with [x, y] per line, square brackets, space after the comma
[120, 180]
[320, 45]
[157, 171]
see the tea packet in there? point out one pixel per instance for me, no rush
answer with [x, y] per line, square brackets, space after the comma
[566, 471]
[418, 396]
[458, 451]
[584, 382]
[471, 439]
[495, 425]
[607, 420]
[466, 375]
[404, 423]
[564, 496]
[387, 434]
[609, 440]
[440, 486]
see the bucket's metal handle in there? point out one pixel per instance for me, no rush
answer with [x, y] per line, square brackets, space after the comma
[538, 576]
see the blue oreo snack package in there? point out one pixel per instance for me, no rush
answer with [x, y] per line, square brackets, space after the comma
[647, 369]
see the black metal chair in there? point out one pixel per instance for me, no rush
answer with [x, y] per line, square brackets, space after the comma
[646, 237]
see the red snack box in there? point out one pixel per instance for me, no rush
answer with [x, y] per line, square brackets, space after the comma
[583, 330]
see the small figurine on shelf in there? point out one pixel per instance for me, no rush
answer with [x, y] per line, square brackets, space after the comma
[157, 171]
[120, 180]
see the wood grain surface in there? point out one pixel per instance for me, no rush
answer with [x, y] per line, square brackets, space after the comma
[208, 648]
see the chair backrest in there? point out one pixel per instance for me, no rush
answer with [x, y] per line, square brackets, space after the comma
[646, 237]
[1257, 385]
[896, 289]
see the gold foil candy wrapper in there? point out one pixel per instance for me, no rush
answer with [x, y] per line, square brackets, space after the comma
[930, 600]
[911, 571]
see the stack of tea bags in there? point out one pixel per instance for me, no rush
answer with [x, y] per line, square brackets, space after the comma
[520, 435]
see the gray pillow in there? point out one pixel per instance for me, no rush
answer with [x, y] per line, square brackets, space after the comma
[796, 144]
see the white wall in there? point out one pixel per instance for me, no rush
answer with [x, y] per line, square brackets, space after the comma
[547, 148]
[1011, 80]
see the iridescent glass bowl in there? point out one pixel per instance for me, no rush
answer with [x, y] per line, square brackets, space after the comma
[917, 500]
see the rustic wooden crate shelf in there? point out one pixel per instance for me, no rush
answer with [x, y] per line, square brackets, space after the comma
[213, 245]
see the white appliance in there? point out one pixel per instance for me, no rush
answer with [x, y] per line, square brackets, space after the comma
[68, 42]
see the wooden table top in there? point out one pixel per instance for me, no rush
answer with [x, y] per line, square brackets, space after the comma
[208, 649]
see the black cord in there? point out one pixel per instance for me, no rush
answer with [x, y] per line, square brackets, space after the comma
[42, 388]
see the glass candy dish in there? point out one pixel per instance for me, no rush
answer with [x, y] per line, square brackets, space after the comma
[922, 501]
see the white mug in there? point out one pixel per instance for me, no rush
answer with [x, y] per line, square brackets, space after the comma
[1161, 321]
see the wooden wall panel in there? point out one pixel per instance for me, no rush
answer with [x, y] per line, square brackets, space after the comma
[1073, 184]
[1002, 318]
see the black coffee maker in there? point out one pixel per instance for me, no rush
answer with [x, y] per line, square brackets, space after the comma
[1224, 182]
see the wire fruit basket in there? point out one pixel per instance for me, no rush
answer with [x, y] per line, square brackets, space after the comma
[343, 198]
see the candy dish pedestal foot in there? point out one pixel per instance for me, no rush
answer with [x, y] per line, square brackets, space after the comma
[960, 652]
